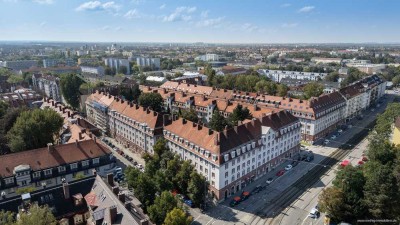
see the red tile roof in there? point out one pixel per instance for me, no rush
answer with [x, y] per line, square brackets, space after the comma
[42, 158]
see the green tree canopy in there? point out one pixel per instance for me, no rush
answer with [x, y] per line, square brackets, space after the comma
[34, 129]
[70, 84]
[282, 90]
[313, 89]
[163, 204]
[239, 114]
[190, 115]
[6, 218]
[151, 100]
[38, 215]
[3, 108]
[217, 122]
[197, 188]
[177, 217]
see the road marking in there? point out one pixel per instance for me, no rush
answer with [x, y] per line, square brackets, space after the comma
[197, 217]
[209, 221]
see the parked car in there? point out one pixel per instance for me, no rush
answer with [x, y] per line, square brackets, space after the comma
[310, 158]
[326, 141]
[257, 189]
[333, 137]
[288, 167]
[236, 200]
[314, 213]
[245, 195]
[340, 131]
[117, 170]
[270, 180]
[188, 202]
[295, 163]
[280, 173]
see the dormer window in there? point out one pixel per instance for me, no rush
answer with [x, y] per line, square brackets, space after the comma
[9, 180]
[73, 166]
[85, 163]
[48, 172]
[36, 174]
[96, 161]
[61, 169]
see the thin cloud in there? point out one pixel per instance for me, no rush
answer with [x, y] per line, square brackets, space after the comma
[289, 25]
[42, 24]
[163, 6]
[44, 2]
[286, 5]
[211, 22]
[131, 14]
[204, 14]
[249, 27]
[98, 6]
[180, 13]
[306, 9]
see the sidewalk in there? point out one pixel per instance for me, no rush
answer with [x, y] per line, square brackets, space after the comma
[136, 156]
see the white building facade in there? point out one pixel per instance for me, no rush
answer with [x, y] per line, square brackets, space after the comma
[277, 75]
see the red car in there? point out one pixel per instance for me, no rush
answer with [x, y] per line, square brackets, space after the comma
[280, 173]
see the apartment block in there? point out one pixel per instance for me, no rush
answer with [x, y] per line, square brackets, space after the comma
[48, 84]
[117, 64]
[151, 62]
[278, 75]
[52, 165]
[235, 157]
[98, 71]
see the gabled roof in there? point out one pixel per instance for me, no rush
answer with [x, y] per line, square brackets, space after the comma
[43, 158]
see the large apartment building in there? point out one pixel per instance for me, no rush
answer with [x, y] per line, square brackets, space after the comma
[362, 94]
[48, 84]
[53, 165]
[233, 158]
[133, 125]
[278, 75]
[117, 64]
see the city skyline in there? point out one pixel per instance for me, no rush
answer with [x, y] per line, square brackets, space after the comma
[186, 21]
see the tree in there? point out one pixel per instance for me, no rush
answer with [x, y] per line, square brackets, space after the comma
[239, 114]
[261, 86]
[24, 190]
[70, 84]
[3, 108]
[396, 80]
[6, 218]
[183, 176]
[332, 77]
[15, 79]
[163, 204]
[197, 188]
[145, 189]
[151, 100]
[177, 217]
[38, 215]
[34, 129]
[331, 202]
[190, 115]
[217, 122]
[282, 90]
[313, 89]
[123, 70]
[210, 73]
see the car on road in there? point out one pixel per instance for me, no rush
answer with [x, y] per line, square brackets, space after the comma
[372, 110]
[245, 195]
[333, 137]
[295, 163]
[257, 189]
[310, 158]
[280, 173]
[288, 167]
[117, 170]
[326, 141]
[314, 213]
[235, 201]
[340, 131]
[270, 180]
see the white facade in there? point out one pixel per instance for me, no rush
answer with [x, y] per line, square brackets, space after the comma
[49, 85]
[151, 62]
[93, 70]
[277, 75]
[117, 63]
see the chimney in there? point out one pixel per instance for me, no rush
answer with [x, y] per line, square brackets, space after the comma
[137, 106]
[121, 197]
[80, 137]
[112, 212]
[69, 113]
[109, 96]
[94, 172]
[110, 179]
[52, 103]
[115, 190]
[122, 101]
[184, 121]
[78, 120]
[50, 147]
[63, 110]
[148, 110]
[131, 104]
[76, 143]
[199, 127]
[66, 190]
[210, 131]
[95, 139]
[60, 108]
[216, 139]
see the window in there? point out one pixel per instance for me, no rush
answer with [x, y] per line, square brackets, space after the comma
[85, 163]
[47, 172]
[213, 175]
[36, 174]
[9, 180]
[61, 169]
[226, 174]
[73, 166]
[23, 182]
[96, 161]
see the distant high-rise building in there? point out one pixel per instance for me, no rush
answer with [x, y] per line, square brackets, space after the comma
[20, 64]
[117, 64]
[151, 62]
[50, 63]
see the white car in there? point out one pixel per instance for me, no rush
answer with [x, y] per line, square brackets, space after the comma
[340, 131]
[269, 180]
[333, 137]
[314, 213]
[326, 141]
[288, 167]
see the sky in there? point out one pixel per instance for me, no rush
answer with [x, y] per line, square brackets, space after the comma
[212, 21]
